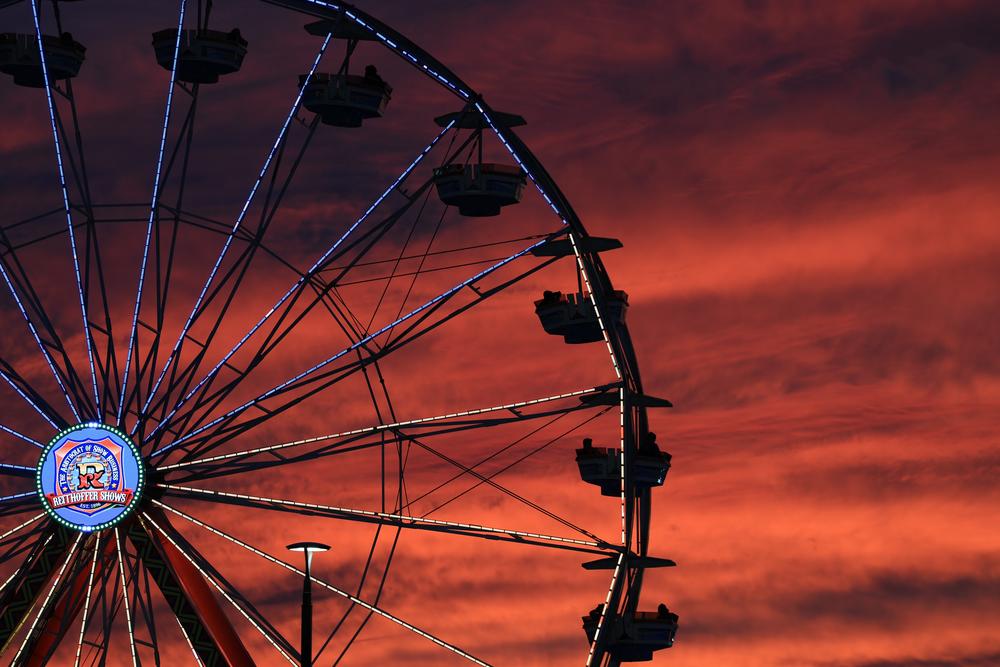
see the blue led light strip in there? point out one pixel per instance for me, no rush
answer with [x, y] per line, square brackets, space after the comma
[16, 434]
[239, 221]
[16, 496]
[45, 353]
[385, 39]
[153, 210]
[457, 88]
[66, 206]
[351, 348]
[11, 466]
[308, 274]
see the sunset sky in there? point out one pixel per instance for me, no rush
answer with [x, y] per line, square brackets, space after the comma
[807, 194]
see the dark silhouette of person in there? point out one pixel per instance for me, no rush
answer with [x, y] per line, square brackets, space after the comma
[596, 611]
[649, 446]
[372, 75]
[588, 444]
[551, 298]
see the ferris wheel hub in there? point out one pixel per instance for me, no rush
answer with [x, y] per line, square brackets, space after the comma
[90, 477]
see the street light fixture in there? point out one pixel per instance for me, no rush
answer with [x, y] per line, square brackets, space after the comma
[309, 548]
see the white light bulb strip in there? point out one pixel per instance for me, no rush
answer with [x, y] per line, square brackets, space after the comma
[384, 515]
[222, 591]
[377, 429]
[48, 597]
[330, 587]
[86, 604]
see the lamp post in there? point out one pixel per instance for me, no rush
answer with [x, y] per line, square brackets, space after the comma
[309, 548]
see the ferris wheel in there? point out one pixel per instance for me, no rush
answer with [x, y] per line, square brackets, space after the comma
[189, 380]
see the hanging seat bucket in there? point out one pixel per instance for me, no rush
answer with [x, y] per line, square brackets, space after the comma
[19, 57]
[204, 55]
[572, 316]
[636, 638]
[345, 100]
[479, 190]
[601, 466]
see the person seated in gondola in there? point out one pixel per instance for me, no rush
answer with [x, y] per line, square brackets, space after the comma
[662, 612]
[550, 298]
[596, 611]
[372, 75]
[649, 446]
[236, 35]
[588, 444]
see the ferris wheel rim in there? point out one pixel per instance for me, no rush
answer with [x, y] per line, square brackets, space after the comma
[619, 344]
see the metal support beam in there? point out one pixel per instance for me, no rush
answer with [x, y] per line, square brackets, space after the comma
[190, 597]
[32, 578]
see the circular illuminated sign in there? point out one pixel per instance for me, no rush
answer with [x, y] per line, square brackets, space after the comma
[90, 477]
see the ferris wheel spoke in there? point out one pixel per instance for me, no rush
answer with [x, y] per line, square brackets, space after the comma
[154, 208]
[86, 604]
[19, 436]
[75, 156]
[20, 526]
[489, 480]
[302, 378]
[67, 603]
[44, 603]
[18, 507]
[92, 262]
[306, 449]
[87, 334]
[30, 396]
[292, 294]
[589, 264]
[275, 147]
[229, 428]
[125, 592]
[67, 386]
[144, 605]
[17, 470]
[330, 587]
[228, 286]
[229, 592]
[108, 604]
[165, 253]
[323, 289]
[16, 503]
[594, 652]
[182, 422]
[13, 544]
[391, 519]
[466, 470]
[206, 626]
